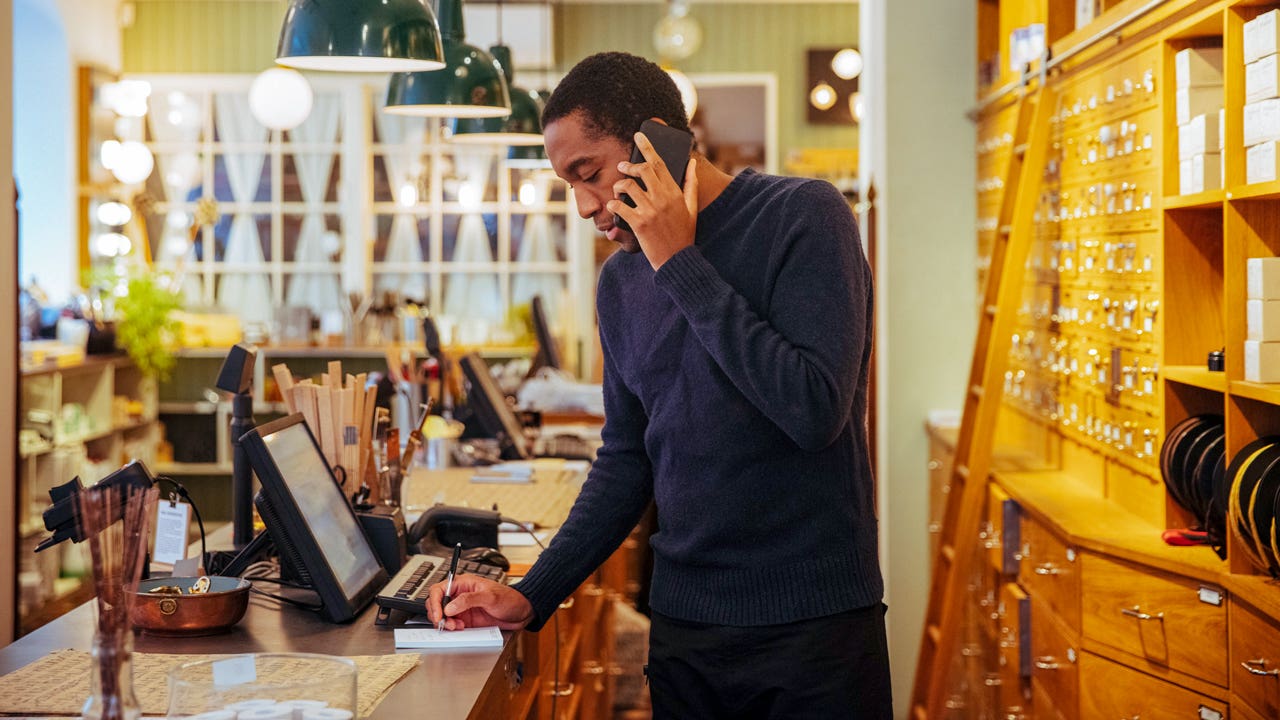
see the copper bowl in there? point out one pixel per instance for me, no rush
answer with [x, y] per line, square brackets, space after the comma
[188, 615]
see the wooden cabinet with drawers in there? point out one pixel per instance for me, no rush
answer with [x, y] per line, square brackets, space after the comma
[1255, 659]
[1118, 691]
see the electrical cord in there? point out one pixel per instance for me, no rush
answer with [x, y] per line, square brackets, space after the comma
[181, 492]
[268, 571]
[555, 617]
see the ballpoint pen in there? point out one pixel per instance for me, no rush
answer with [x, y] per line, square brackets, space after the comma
[448, 587]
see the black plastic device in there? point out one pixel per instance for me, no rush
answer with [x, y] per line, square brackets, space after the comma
[673, 147]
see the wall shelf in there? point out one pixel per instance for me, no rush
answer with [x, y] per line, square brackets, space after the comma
[1197, 376]
[1262, 392]
[1208, 199]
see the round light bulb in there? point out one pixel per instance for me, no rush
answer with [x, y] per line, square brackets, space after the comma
[469, 195]
[114, 214]
[407, 195]
[822, 96]
[176, 245]
[127, 98]
[688, 93]
[856, 106]
[528, 194]
[178, 220]
[280, 98]
[109, 154]
[112, 245]
[134, 164]
[847, 64]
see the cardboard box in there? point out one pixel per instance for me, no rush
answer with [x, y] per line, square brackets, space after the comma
[1262, 320]
[1200, 173]
[1261, 361]
[1192, 101]
[1262, 36]
[1261, 121]
[1262, 79]
[1260, 163]
[1199, 136]
[1262, 278]
[1198, 66]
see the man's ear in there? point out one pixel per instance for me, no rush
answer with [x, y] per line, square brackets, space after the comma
[658, 120]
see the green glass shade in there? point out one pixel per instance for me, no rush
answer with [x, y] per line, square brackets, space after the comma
[471, 85]
[360, 36]
[522, 127]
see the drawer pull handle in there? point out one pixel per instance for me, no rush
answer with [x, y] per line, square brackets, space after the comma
[567, 603]
[935, 528]
[592, 667]
[1046, 662]
[1048, 569]
[562, 690]
[1260, 668]
[1136, 612]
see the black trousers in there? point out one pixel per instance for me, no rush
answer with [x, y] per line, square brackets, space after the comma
[830, 667]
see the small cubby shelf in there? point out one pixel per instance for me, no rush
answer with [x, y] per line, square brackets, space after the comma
[1196, 376]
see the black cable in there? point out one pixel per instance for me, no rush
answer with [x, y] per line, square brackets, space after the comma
[282, 582]
[555, 617]
[281, 598]
[182, 493]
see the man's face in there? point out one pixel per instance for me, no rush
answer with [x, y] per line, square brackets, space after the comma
[588, 161]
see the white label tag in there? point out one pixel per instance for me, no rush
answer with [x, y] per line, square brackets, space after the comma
[1210, 596]
[1209, 714]
[1147, 324]
[1146, 263]
[235, 671]
[1148, 387]
[172, 521]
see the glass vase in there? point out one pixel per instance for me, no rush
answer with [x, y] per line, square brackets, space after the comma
[111, 695]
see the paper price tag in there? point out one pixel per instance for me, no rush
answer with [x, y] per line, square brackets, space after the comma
[172, 521]
[235, 671]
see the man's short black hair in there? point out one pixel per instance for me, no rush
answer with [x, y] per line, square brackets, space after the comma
[617, 91]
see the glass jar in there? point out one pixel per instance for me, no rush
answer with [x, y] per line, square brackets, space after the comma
[111, 695]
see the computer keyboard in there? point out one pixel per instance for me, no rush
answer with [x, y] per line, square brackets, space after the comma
[570, 447]
[408, 590]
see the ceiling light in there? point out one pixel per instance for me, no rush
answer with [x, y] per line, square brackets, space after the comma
[522, 127]
[360, 36]
[688, 93]
[472, 84]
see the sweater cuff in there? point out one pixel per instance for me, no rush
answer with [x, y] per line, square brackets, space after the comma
[689, 278]
[534, 587]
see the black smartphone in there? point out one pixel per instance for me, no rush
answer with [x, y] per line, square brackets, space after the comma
[673, 146]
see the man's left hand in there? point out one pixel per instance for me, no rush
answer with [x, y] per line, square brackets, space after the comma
[665, 217]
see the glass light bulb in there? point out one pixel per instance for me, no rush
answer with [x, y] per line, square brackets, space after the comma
[469, 195]
[407, 196]
[109, 154]
[528, 194]
[822, 96]
[134, 163]
[688, 93]
[847, 64]
[114, 214]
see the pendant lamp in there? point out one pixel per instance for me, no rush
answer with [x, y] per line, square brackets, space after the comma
[360, 36]
[472, 84]
[522, 127]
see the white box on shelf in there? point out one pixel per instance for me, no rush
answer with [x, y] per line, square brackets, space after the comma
[1261, 36]
[1262, 318]
[1261, 121]
[1198, 136]
[1261, 361]
[1262, 278]
[1192, 101]
[1260, 163]
[1198, 66]
[1261, 79]
[1200, 173]
[1086, 11]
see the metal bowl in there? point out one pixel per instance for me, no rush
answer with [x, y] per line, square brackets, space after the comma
[208, 613]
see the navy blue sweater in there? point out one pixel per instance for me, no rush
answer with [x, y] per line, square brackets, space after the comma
[735, 383]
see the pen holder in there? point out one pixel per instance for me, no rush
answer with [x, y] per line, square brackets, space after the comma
[269, 686]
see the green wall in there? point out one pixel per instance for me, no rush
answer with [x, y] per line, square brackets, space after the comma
[222, 36]
[736, 37]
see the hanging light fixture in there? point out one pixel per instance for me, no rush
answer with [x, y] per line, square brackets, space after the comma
[471, 85]
[688, 93]
[360, 36]
[522, 127]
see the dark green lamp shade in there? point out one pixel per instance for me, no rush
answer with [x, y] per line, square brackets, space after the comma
[522, 127]
[471, 85]
[360, 36]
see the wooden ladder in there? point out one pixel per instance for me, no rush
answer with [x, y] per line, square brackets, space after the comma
[1002, 295]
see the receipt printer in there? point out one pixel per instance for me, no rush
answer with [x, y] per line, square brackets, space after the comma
[384, 525]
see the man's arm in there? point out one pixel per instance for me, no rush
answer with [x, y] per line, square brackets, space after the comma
[613, 498]
[799, 365]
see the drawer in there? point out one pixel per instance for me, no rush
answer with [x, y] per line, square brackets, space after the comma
[1255, 659]
[1170, 620]
[1054, 669]
[1049, 571]
[1015, 645]
[1241, 711]
[1001, 539]
[1111, 690]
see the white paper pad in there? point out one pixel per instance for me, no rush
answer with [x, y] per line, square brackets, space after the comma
[428, 638]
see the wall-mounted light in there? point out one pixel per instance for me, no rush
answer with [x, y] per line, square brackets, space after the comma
[114, 214]
[822, 96]
[360, 36]
[847, 64]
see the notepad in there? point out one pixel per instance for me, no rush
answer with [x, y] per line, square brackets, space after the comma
[427, 638]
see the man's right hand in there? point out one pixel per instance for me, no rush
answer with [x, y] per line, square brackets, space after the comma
[479, 602]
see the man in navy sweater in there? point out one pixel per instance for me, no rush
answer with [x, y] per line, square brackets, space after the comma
[736, 329]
